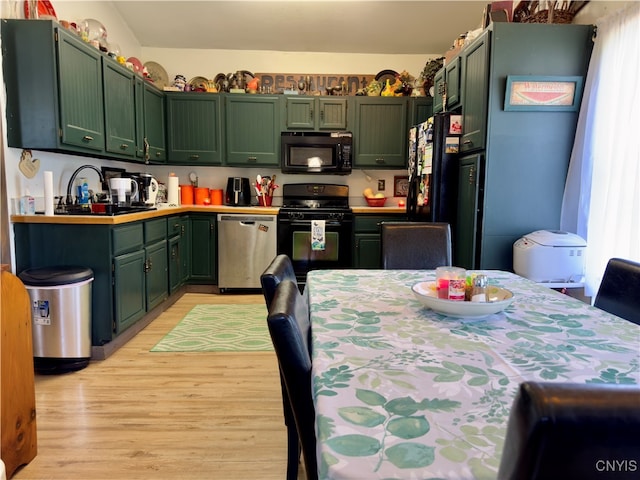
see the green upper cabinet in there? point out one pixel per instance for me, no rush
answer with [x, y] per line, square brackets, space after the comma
[315, 113]
[438, 91]
[380, 132]
[54, 88]
[252, 130]
[194, 129]
[452, 80]
[475, 62]
[150, 123]
[420, 109]
[119, 110]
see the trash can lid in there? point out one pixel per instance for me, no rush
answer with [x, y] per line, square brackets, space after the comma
[52, 276]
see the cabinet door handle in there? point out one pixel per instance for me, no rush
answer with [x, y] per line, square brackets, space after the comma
[472, 176]
[158, 154]
[124, 146]
[87, 138]
[380, 160]
[145, 266]
[252, 159]
[311, 113]
[194, 157]
[467, 142]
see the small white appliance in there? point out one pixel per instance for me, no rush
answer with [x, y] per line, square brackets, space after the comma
[550, 256]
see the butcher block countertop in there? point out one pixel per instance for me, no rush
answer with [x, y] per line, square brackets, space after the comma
[162, 212]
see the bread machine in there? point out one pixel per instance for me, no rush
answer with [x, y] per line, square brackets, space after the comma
[550, 256]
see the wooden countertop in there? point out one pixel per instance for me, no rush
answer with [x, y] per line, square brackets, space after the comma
[162, 212]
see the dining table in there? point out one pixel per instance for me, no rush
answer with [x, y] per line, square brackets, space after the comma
[402, 391]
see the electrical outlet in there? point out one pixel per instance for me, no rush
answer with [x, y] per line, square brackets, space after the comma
[381, 185]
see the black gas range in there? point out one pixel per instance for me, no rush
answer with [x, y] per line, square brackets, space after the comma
[321, 208]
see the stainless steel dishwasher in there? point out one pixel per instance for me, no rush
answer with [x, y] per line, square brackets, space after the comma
[246, 246]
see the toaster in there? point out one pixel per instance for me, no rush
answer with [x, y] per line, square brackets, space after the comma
[550, 256]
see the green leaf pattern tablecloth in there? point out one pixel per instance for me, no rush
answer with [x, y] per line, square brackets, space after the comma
[404, 392]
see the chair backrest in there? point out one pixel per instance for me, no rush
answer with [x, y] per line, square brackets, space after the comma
[572, 431]
[278, 270]
[415, 245]
[290, 330]
[619, 292]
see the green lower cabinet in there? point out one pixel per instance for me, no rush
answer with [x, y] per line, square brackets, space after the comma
[366, 250]
[129, 282]
[157, 272]
[366, 246]
[466, 230]
[203, 249]
[175, 272]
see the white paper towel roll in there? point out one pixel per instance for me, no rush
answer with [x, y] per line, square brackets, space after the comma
[48, 193]
[172, 190]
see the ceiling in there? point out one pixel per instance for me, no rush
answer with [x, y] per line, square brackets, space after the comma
[337, 26]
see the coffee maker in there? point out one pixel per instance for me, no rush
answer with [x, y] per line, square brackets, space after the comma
[147, 188]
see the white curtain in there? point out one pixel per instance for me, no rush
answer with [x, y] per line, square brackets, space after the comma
[602, 194]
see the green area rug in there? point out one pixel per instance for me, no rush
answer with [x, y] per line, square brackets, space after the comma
[219, 328]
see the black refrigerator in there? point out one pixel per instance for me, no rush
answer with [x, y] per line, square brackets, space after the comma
[433, 169]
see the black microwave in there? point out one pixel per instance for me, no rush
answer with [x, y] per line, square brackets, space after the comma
[316, 152]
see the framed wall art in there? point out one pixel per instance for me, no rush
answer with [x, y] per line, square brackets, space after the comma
[543, 93]
[400, 186]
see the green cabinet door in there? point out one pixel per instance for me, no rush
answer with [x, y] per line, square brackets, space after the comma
[157, 274]
[203, 249]
[129, 287]
[194, 129]
[466, 230]
[175, 277]
[420, 109]
[380, 134]
[150, 123]
[439, 88]
[80, 87]
[452, 78]
[366, 250]
[313, 113]
[178, 251]
[475, 64]
[252, 130]
[119, 109]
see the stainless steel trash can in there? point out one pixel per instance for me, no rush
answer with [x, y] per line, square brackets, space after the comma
[61, 317]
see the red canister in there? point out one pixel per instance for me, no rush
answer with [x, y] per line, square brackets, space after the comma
[202, 196]
[186, 194]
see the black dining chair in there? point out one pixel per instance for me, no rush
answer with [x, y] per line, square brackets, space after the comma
[572, 431]
[619, 291]
[281, 269]
[415, 245]
[290, 330]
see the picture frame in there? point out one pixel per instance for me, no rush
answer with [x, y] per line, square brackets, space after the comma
[543, 93]
[400, 185]
[110, 172]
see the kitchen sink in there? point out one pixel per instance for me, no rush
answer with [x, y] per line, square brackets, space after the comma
[101, 209]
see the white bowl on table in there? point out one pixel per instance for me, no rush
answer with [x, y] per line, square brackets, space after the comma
[499, 299]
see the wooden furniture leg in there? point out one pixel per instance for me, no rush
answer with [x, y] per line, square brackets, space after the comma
[17, 386]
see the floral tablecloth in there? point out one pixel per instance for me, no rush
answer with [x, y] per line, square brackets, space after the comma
[403, 392]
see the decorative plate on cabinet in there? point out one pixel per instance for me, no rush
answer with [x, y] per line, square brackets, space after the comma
[158, 74]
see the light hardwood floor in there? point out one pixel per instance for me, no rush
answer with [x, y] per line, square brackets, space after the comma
[179, 416]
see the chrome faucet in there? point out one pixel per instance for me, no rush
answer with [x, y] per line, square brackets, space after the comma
[69, 199]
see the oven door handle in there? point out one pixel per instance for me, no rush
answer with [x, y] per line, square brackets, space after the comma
[307, 223]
